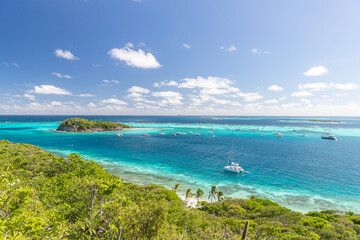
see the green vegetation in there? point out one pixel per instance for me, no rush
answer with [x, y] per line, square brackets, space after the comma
[84, 125]
[43, 196]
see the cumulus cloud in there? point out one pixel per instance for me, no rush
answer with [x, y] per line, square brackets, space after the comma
[232, 48]
[137, 94]
[165, 83]
[209, 85]
[113, 101]
[250, 97]
[59, 75]
[314, 86]
[29, 96]
[49, 89]
[66, 54]
[91, 105]
[133, 58]
[316, 71]
[186, 46]
[169, 97]
[301, 94]
[275, 88]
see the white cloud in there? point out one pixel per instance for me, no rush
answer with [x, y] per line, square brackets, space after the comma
[91, 105]
[319, 86]
[111, 81]
[254, 50]
[54, 103]
[139, 58]
[344, 86]
[275, 88]
[232, 48]
[165, 83]
[86, 95]
[186, 46]
[271, 101]
[59, 75]
[169, 97]
[316, 71]
[113, 101]
[49, 89]
[31, 97]
[314, 86]
[304, 100]
[250, 97]
[209, 85]
[15, 65]
[66, 54]
[301, 94]
[137, 94]
[267, 52]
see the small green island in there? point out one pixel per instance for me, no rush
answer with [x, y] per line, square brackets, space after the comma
[85, 125]
[43, 196]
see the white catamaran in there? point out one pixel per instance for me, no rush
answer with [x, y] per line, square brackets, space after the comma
[234, 167]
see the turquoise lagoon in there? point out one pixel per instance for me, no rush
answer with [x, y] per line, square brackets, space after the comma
[303, 173]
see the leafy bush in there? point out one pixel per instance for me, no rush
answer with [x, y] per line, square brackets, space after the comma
[43, 196]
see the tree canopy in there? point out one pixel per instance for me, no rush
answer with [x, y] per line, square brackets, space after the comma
[43, 196]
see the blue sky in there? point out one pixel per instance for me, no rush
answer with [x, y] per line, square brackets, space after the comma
[180, 57]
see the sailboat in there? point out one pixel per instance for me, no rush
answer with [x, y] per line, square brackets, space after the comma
[234, 167]
[329, 136]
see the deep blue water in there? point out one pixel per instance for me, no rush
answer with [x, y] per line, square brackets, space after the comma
[302, 173]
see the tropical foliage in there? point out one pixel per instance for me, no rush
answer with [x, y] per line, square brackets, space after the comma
[43, 196]
[84, 125]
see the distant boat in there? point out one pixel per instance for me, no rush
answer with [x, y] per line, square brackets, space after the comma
[179, 133]
[211, 132]
[213, 129]
[145, 134]
[119, 135]
[303, 134]
[213, 136]
[190, 132]
[329, 136]
[197, 134]
[162, 133]
[234, 167]
[183, 133]
[174, 134]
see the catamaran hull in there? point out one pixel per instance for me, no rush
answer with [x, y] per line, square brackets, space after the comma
[233, 170]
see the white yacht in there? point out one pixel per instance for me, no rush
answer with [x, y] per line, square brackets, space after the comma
[119, 135]
[329, 136]
[162, 133]
[234, 167]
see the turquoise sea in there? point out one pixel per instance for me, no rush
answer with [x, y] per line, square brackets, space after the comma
[303, 173]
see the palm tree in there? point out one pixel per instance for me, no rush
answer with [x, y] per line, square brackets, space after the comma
[219, 195]
[176, 188]
[199, 194]
[212, 193]
[188, 194]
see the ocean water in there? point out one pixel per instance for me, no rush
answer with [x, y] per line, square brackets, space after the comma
[304, 173]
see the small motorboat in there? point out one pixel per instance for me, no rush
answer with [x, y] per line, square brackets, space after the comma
[162, 133]
[119, 135]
